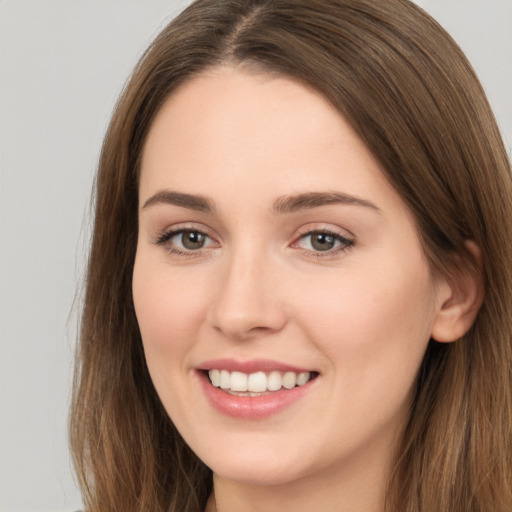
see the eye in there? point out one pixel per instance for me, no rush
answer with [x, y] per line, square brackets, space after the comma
[184, 241]
[322, 241]
[190, 240]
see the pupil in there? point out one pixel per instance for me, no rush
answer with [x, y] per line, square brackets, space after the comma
[322, 242]
[192, 240]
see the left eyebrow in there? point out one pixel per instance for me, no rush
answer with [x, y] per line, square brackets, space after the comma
[308, 200]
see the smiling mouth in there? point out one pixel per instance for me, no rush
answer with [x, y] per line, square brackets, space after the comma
[258, 383]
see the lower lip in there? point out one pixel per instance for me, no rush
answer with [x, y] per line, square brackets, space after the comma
[252, 407]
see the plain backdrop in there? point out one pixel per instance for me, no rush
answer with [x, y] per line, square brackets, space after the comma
[62, 65]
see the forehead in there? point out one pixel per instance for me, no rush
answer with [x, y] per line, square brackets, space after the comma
[266, 133]
[251, 104]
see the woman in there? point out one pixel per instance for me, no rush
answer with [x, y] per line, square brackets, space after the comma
[299, 282]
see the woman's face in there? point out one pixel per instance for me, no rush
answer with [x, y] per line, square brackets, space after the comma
[274, 254]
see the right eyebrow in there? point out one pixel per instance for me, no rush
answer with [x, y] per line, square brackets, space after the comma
[189, 201]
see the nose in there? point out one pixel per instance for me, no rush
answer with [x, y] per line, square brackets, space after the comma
[247, 303]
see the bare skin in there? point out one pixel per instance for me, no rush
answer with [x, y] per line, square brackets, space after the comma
[268, 232]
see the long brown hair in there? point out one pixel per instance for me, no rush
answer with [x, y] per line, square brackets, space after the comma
[413, 98]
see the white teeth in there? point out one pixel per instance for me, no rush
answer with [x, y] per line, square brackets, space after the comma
[289, 380]
[215, 377]
[238, 381]
[302, 378]
[225, 379]
[256, 383]
[274, 381]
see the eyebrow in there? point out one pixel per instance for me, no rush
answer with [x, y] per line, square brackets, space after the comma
[290, 204]
[282, 205]
[189, 201]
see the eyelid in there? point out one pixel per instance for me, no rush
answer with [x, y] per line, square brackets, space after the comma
[319, 227]
[180, 227]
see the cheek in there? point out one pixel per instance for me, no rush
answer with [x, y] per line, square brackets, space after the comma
[373, 325]
[169, 308]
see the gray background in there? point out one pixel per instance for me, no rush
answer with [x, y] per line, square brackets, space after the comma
[62, 65]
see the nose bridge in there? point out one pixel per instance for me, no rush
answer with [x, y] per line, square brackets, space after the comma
[246, 303]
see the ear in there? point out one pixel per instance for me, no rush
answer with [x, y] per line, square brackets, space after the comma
[460, 299]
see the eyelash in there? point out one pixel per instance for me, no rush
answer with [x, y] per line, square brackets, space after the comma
[344, 243]
[166, 236]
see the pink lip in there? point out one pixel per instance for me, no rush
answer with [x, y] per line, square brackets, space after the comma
[249, 407]
[252, 366]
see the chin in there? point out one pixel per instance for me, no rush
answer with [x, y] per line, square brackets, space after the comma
[248, 474]
[259, 464]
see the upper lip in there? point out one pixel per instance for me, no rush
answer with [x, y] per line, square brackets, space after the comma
[250, 366]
